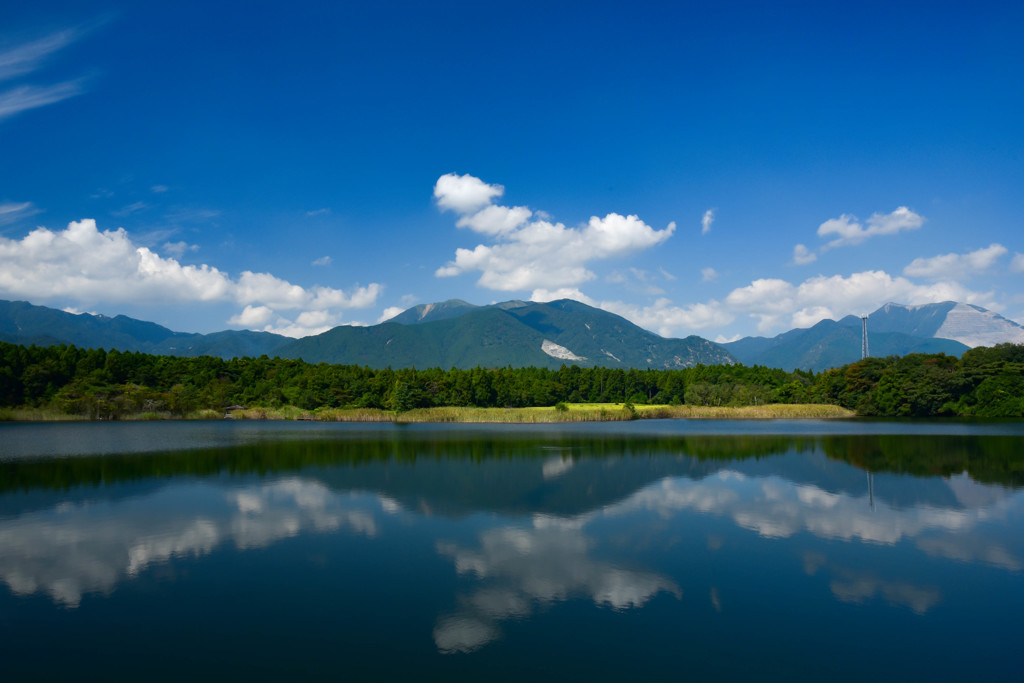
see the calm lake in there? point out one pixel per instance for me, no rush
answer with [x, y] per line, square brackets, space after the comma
[649, 550]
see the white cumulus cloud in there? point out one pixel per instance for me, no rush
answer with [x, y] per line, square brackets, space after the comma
[389, 313]
[529, 251]
[252, 316]
[802, 255]
[464, 194]
[544, 295]
[668, 320]
[179, 249]
[85, 265]
[957, 266]
[776, 303]
[706, 220]
[496, 220]
[848, 230]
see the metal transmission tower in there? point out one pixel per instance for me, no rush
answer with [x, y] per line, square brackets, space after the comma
[864, 342]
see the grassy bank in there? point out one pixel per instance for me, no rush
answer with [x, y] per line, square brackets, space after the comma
[573, 412]
[576, 412]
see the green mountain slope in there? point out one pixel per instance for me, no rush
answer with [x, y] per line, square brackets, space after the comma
[20, 320]
[607, 339]
[515, 333]
[425, 313]
[488, 337]
[450, 334]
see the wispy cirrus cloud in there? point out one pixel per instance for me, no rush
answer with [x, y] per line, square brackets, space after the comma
[27, 97]
[12, 212]
[26, 59]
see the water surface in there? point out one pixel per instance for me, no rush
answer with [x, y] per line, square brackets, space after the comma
[652, 549]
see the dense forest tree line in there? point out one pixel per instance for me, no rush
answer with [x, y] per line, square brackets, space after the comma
[984, 382]
[108, 384]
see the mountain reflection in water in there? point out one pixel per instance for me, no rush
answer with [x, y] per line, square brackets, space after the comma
[484, 536]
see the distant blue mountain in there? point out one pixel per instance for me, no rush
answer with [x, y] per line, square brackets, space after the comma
[24, 323]
[893, 329]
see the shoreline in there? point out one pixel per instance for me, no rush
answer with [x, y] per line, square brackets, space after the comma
[578, 412]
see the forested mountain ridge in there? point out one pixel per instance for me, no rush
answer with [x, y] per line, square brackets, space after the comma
[515, 333]
[447, 334]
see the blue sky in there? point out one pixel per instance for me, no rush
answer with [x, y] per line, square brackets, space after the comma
[711, 168]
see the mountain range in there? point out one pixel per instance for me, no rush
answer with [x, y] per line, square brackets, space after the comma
[455, 333]
[449, 334]
[894, 329]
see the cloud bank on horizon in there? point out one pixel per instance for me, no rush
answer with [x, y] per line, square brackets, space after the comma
[83, 264]
[549, 260]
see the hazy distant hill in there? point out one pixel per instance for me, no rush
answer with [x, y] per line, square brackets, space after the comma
[894, 329]
[966, 323]
[24, 323]
[830, 344]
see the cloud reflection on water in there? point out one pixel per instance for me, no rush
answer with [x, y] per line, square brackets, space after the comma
[525, 569]
[515, 567]
[777, 508]
[74, 549]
